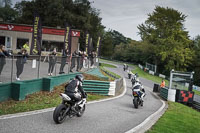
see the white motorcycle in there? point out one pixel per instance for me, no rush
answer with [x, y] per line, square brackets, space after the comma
[68, 108]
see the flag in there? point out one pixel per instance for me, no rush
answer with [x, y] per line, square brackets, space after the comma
[87, 43]
[36, 35]
[98, 46]
[90, 46]
[67, 40]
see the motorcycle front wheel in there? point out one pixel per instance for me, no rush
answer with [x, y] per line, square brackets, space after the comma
[135, 102]
[59, 114]
[80, 113]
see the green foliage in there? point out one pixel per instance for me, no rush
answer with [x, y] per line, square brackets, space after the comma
[111, 40]
[164, 29]
[107, 45]
[107, 65]
[196, 62]
[78, 14]
[7, 13]
[178, 119]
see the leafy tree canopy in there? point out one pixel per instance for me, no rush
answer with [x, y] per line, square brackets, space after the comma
[164, 28]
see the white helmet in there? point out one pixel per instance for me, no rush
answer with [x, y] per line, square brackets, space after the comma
[137, 80]
[136, 84]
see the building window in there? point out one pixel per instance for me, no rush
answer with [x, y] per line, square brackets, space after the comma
[50, 45]
[8, 42]
[2, 40]
[21, 42]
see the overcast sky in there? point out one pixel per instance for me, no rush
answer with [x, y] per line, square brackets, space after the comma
[125, 15]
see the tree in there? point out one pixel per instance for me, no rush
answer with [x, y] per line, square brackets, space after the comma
[107, 45]
[78, 14]
[7, 13]
[165, 30]
[196, 63]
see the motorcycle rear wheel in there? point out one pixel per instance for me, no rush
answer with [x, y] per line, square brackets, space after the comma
[135, 102]
[59, 113]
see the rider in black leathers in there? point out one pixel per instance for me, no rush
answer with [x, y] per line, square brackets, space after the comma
[74, 87]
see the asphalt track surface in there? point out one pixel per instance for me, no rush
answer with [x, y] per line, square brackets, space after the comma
[113, 116]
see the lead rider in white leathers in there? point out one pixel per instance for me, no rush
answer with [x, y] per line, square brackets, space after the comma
[139, 88]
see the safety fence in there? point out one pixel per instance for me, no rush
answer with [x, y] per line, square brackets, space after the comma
[164, 93]
[21, 67]
[108, 73]
[103, 87]
[196, 105]
[196, 102]
[20, 89]
[179, 91]
[99, 87]
[181, 96]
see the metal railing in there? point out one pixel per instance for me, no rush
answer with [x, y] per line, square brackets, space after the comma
[18, 67]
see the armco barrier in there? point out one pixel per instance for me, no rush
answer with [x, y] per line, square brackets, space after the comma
[19, 90]
[164, 93]
[99, 87]
[109, 74]
[196, 105]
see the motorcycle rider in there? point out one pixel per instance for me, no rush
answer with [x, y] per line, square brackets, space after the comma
[74, 87]
[139, 88]
[134, 78]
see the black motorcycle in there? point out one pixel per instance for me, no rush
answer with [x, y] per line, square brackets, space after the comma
[68, 108]
[137, 99]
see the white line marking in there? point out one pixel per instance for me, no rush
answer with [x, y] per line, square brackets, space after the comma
[51, 109]
[137, 128]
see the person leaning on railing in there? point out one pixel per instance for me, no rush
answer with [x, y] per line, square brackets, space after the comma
[3, 55]
[52, 61]
[64, 60]
[21, 60]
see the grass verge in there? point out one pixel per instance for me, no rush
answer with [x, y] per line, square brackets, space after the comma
[42, 100]
[145, 75]
[110, 78]
[39, 100]
[155, 79]
[107, 65]
[178, 119]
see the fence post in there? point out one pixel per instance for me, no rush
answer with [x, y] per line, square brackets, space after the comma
[38, 75]
[55, 68]
[12, 68]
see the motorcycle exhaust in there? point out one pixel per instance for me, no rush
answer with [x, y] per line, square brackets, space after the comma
[65, 97]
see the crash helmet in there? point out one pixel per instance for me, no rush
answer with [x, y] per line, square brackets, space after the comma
[80, 77]
[137, 80]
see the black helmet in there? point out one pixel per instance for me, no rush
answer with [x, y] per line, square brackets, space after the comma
[80, 77]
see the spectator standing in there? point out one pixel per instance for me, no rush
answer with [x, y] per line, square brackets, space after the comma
[52, 62]
[21, 60]
[92, 56]
[63, 60]
[26, 46]
[3, 55]
[162, 85]
[73, 60]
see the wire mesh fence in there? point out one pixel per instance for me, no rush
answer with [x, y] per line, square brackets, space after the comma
[19, 67]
